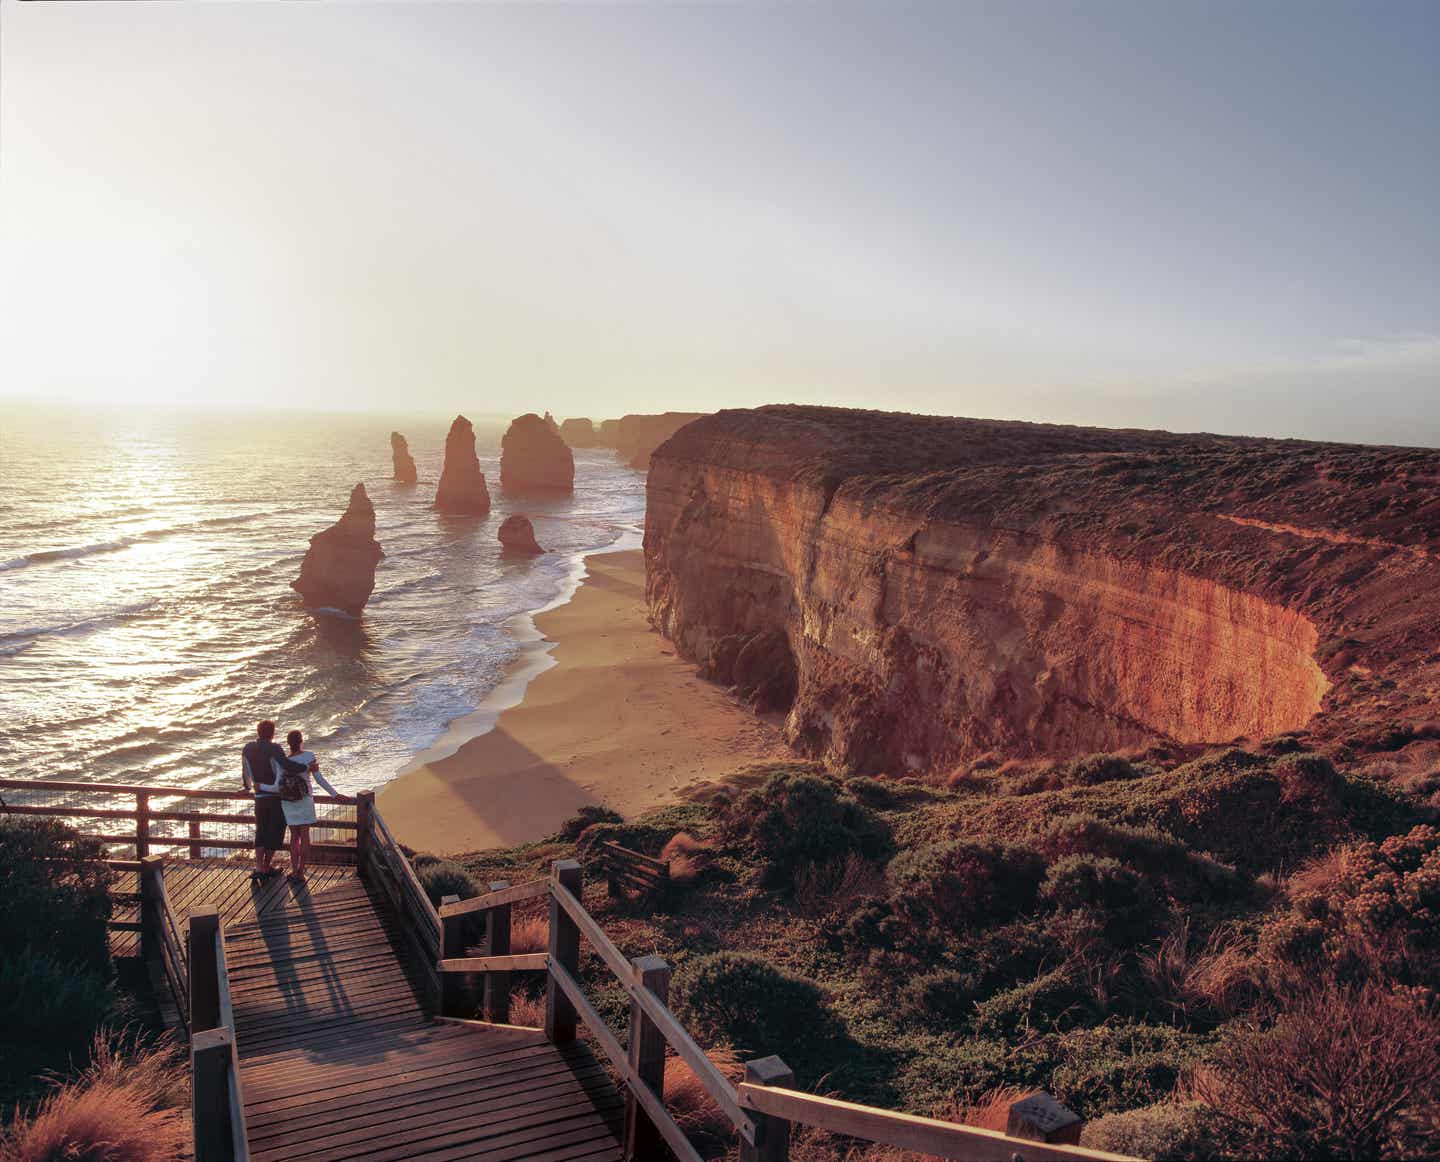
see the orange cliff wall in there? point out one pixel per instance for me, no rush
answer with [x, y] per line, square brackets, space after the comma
[931, 589]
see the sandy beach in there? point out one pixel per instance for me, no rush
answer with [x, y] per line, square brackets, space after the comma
[618, 720]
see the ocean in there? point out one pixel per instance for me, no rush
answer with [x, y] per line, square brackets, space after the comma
[146, 616]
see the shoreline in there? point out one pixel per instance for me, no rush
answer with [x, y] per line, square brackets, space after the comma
[597, 709]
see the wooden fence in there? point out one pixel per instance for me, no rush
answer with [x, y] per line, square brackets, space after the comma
[629, 872]
[217, 1104]
[761, 1110]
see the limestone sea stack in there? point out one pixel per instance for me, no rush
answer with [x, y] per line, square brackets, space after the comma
[533, 458]
[579, 433]
[912, 592]
[635, 437]
[404, 462]
[462, 484]
[517, 537]
[339, 568]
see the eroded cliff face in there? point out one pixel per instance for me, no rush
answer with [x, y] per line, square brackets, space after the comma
[635, 437]
[912, 592]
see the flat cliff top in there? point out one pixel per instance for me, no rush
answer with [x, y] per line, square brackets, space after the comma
[1348, 535]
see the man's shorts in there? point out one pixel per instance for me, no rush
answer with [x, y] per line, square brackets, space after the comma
[269, 822]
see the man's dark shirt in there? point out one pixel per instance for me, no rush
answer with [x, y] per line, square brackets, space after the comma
[257, 756]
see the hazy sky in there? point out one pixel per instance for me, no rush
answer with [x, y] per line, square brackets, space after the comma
[1159, 213]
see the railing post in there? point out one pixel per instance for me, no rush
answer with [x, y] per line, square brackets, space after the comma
[204, 930]
[364, 824]
[454, 992]
[211, 1058]
[194, 839]
[497, 943]
[1041, 1118]
[152, 867]
[772, 1134]
[643, 1142]
[564, 951]
[142, 824]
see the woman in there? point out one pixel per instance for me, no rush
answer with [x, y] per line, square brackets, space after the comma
[300, 813]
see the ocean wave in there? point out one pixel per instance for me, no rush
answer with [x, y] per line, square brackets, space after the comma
[76, 552]
[65, 629]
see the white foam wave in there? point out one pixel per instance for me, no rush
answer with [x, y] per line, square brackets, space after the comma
[75, 552]
[65, 629]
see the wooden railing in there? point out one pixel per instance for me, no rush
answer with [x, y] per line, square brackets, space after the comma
[150, 822]
[628, 871]
[217, 1104]
[161, 945]
[761, 1109]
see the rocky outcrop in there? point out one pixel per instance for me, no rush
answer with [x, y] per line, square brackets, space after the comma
[534, 459]
[550, 422]
[579, 433]
[462, 484]
[403, 461]
[635, 437]
[913, 591]
[339, 568]
[517, 537]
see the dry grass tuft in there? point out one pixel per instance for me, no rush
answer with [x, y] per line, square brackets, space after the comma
[527, 1011]
[690, 1103]
[688, 858]
[837, 885]
[529, 934]
[991, 1111]
[128, 1105]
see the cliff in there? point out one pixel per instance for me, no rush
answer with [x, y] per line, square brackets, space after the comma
[339, 568]
[915, 591]
[404, 463]
[462, 485]
[579, 433]
[635, 437]
[533, 457]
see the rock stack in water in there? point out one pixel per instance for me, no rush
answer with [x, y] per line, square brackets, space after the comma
[579, 433]
[517, 537]
[533, 458]
[462, 484]
[339, 568]
[404, 462]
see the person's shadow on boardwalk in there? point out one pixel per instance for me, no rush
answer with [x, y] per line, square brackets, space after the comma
[299, 968]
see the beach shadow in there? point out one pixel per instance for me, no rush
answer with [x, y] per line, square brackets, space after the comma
[613, 582]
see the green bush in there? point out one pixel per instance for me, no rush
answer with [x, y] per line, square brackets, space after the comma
[1179, 871]
[872, 792]
[945, 997]
[1165, 1132]
[571, 829]
[963, 883]
[742, 1000]
[796, 819]
[642, 837]
[444, 878]
[60, 1002]
[54, 891]
[1106, 892]
[1059, 999]
[1120, 1065]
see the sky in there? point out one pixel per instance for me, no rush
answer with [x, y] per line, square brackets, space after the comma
[1196, 215]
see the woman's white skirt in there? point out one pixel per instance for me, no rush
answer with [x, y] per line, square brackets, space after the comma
[299, 812]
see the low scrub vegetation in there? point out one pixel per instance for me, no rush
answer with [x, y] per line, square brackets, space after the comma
[1231, 955]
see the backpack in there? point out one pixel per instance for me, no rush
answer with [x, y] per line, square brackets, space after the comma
[293, 788]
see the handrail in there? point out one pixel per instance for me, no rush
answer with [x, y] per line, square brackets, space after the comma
[130, 789]
[512, 895]
[939, 1139]
[217, 1100]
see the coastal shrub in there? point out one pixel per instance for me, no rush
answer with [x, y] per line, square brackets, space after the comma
[735, 998]
[60, 1002]
[1059, 999]
[1182, 873]
[1120, 1064]
[964, 883]
[870, 791]
[945, 997]
[54, 890]
[795, 819]
[1346, 1073]
[645, 838]
[1109, 896]
[446, 878]
[1164, 1132]
[590, 813]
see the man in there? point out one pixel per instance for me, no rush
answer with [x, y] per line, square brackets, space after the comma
[257, 761]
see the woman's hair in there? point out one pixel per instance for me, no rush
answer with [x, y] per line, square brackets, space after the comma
[295, 741]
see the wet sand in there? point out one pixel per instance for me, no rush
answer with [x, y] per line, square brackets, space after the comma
[617, 720]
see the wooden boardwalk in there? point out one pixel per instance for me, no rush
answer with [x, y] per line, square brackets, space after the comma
[338, 1058]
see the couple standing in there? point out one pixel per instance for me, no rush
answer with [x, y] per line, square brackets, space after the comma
[283, 797]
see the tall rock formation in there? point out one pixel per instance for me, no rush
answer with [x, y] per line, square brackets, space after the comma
[533, 458]
[339, 568]
[403, 461]
[579, 433]
[635, 437]
[915, 591]
[550, 420]
[517, 537]
[462, 484]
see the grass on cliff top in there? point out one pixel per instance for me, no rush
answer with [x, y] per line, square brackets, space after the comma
[1127, 937]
